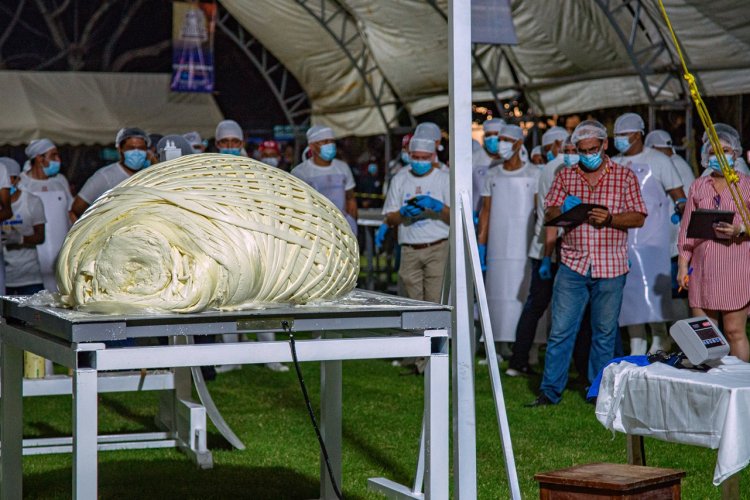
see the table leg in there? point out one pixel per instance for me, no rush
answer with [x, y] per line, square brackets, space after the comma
[330, 425]
[437, 408]
[11, 432]
[85, 430]
[636, 450]
[730, 488]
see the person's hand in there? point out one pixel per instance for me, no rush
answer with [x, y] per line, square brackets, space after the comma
[11, 238]
[410, 211]
[380, 236]
[683, 277]
[483, 257]
[599, 217]
[545, 270]
[570, 202]
[429, 203]
[724, 230]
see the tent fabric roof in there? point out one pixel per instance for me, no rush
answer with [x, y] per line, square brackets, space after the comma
[89, 108]
[571, 59]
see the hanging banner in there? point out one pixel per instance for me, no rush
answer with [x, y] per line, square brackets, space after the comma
[193, 46]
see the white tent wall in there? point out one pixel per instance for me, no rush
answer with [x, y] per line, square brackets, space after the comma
[80, 108]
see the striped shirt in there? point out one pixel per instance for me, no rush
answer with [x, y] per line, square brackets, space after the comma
[602, 250]
[721, 268]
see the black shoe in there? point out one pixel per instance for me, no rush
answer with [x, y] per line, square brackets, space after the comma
[541, 400]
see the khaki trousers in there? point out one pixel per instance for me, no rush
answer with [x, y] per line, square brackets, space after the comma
[422, 271]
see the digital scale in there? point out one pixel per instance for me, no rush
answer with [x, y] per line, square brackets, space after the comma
[700, 340]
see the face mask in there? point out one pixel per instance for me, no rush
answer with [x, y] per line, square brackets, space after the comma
[622, 143]
[328, 152]
[591, 162]
[713, 163]
[405, 159]
[506, 150]
[52, 169]
[372, 169]
[231, 151]
[135, 159]
[570, 159]
[13, 190]
[271, 160]
[420, 167]
[197, 150]
[550, 155]
[491, 144]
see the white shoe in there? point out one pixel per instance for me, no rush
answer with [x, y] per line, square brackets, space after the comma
[483, 361]
[396, 363]
[277, 367]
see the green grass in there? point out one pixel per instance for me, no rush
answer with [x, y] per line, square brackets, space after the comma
[382, 415]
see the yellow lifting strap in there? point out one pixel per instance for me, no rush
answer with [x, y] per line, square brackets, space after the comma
[729, 174]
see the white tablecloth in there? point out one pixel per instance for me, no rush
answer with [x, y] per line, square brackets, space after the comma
[709, 409]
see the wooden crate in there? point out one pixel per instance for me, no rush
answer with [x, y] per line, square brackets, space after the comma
[608, 481]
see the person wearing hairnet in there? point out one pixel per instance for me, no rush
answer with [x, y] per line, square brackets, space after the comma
[506, 226]
[133, 145]
[536, 156]
[196, 142]
[270, 153]
[540, 258]
[593, 256]
[483, 159]
[21, 234]
[327, 174]
[431, 131]
[229, 138]
[739, 163]
[647, 298]
[719, 284]
[398, 163]
[417, 203]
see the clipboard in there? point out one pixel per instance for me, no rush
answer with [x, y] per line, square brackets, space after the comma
[702, 222]
[574, 217]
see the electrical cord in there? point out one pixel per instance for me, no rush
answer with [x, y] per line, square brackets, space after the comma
[298, 369]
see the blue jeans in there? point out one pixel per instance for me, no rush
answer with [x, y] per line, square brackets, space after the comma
[572, 292]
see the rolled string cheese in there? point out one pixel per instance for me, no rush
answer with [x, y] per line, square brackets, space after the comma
[207, 231]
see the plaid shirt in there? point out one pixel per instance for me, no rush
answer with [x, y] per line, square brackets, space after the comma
[604, 250]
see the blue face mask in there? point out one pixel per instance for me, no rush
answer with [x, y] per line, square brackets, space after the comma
[492, 144]
[52, 169]
[591, 162]
[622, 143]
[570, 159]
[13, 190]
[420, 167]
[231, 151]
[372, 169]
[405, 158]
[135, 159]
[328, 151]
[713, 163]
[550, 155]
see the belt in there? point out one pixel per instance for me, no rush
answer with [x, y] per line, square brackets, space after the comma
[420, 246]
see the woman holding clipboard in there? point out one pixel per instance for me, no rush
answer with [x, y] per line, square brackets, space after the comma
[715, 267]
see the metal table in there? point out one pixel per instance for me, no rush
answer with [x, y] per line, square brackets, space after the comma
[363, 325]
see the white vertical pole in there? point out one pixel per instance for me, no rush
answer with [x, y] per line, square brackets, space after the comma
[464, 419]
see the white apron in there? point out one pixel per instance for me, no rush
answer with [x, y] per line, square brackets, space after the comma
[508, 269]
[55, 230]
[647, 296]
[333, 187]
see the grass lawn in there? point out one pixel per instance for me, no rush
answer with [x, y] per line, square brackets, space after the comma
[382, 415]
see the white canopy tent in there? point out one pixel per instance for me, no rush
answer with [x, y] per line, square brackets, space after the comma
[89, 108]
[361, 62]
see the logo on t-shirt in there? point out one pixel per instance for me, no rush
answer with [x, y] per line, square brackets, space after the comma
[419, 190]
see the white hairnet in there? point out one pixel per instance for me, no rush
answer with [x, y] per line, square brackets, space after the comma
[568, 141]
[38, 147]
[126, 133]
[319, 133]
[658, 139]
[726, 138]
[629, 122]
[554, 134]
[536, 151]
[588, 129]
[178, 141]
[428, 130]
[11, 166]
[193, 138]
[493, 125]
[421, 144]
[228, 129]
[728, 133]
[511, 131]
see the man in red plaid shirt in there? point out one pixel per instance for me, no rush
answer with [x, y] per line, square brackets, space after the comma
[594, 256]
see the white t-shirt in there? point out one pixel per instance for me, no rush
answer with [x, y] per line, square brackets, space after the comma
[54, 183]
[307, 171]
[684, 170]
[527, 170]
[662, 167]
[405, 186]
[103, 180]
[546, 177]
[22, 265]
[481, 162]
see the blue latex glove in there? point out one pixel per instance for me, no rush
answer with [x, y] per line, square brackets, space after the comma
[676, 218]
[476, 218]
[410, 211]
[545, 270]
[483, 257]
[429, 203]
[380, 236]
[570, 202]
